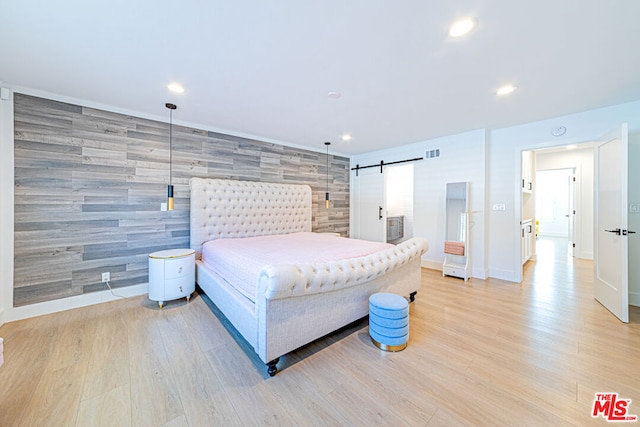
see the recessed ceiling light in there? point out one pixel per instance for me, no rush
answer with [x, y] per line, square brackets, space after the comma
[175, 87]
[462, 27]
[505, 90]
[334, 95]
[346, 137]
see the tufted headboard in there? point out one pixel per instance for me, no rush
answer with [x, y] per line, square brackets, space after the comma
[227, 208]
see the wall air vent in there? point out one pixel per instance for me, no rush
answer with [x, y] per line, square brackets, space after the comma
[432, 153]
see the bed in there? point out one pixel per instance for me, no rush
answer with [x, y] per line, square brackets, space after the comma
[282, 304]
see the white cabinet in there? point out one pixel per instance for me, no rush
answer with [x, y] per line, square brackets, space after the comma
[172, 275]
[527, 234]
[528, 171]
[528, 211]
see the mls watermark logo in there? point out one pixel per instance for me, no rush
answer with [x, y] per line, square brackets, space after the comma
[612, 408]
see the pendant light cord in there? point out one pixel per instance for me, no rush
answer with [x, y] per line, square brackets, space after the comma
[170, 199]
[170, 147]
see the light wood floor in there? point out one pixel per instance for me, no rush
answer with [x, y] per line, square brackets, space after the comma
[480, 353]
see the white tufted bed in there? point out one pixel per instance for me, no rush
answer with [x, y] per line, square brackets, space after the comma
[289, 304]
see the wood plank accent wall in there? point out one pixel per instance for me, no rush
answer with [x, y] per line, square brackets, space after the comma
[89, 184]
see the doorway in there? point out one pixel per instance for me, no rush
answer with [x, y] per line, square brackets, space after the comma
[383, 204]
[554, 207]
[398, 184]
[561, 161]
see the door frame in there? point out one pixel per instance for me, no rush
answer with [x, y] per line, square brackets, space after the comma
[519, 268]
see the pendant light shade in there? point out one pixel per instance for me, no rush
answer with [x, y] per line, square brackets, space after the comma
[327, 202]
[170, 205]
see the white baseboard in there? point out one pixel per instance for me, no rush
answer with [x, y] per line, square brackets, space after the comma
[509, 276]
[480, 273]
[433, 265]
[559, 235]
[634, 299]
[436, 265]
[33, 310]
[586, 255]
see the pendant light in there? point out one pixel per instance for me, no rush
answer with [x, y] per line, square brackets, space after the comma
[171, 107]
[326, 195]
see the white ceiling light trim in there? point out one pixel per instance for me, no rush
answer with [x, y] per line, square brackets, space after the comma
[505, 90]
[461, 27]
[175, 88]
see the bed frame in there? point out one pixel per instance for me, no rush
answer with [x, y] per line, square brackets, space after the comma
[332, 296]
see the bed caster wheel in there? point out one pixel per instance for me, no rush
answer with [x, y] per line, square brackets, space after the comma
[272, 369]
[412, 296]
[188, 298]
[160, 304]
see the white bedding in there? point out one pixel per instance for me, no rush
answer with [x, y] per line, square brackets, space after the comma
[297, 302]
[241, 260]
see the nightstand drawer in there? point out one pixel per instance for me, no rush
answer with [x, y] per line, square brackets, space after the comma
[178, 267]
[178, 288]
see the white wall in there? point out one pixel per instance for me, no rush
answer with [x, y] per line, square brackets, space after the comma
[582, 161]
[505, 146]
[462, 158]
[465, 157]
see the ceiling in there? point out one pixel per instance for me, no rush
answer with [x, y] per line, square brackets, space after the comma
[264, 68]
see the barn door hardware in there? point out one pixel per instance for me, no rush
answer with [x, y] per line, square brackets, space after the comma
[382, 164]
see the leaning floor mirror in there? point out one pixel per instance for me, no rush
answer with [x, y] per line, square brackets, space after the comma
[456, 241]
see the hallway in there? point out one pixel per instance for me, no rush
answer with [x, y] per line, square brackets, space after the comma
[558, 278]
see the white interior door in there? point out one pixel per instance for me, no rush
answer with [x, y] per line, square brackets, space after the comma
[611, 280]
[369, 222]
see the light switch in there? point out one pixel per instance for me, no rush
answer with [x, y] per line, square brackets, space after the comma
[499, 207]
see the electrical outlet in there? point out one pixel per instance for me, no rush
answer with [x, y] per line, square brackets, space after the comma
[163, 207]
[106, 277]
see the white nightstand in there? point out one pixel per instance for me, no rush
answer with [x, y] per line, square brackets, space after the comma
[172, 275]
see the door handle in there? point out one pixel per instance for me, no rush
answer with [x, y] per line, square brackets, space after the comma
[380, 212]
[616, 231]
[625, 232]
